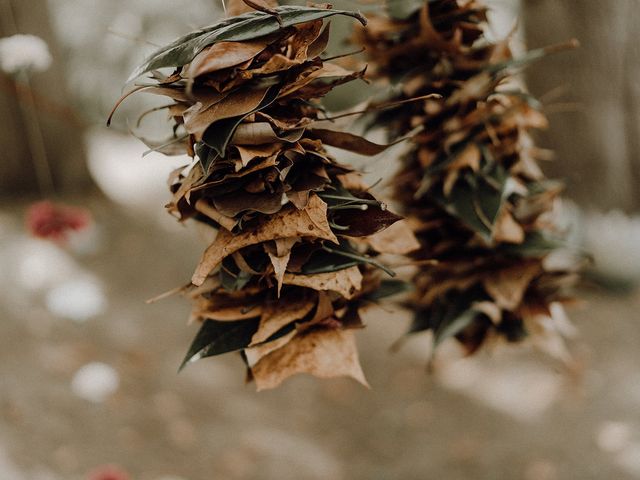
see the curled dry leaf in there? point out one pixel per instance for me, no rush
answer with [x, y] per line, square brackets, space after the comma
[245, 96]
[346, 282]
[322, 353]
[397, 239]
[508, 286]
[281, 313]
[471, 186]
[280, 257]
[310, 222]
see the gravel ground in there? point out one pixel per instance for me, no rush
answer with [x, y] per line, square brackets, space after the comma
[508, 415]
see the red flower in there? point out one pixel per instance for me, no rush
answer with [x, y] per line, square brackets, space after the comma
[109, 472]
[54, 221]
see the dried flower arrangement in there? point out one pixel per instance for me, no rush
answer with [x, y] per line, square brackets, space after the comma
[293, 261]
[471, 185]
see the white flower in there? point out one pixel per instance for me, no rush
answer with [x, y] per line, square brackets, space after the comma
[78, 299]
[24, 52]
[613, 239]
[95, 382]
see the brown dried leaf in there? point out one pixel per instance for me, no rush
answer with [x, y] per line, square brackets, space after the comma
[248, 153]
[398, 239]
[321, 353]
[228, 314]
[319, 45]
[260, 133]
[280, 257]
[223, 55]
[237, 103]
[508, 286]
[346, 282]
[257, 352]
[288, 222]
[347, 141]
[507, 230]
[210, 211]
[281, 313]
[353, 182]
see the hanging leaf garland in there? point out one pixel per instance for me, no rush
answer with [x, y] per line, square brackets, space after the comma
[471, 185]
[283, 281]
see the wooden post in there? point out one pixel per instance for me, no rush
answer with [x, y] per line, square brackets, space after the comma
[61, 131]
[597, 140]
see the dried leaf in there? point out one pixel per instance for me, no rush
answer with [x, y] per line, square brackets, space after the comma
[507, 286]
[347, 141]
[238, 103]
[281, 313]
[346, 282]
[507, 230]
[223, 55]
[397, 239]
[244, 27]
[210, 211]
[322, 353]
[280, 258]
[310, 222]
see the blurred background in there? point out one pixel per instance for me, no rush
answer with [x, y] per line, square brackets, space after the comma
[88, 382]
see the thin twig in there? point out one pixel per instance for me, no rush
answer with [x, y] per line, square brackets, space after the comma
[35, 139]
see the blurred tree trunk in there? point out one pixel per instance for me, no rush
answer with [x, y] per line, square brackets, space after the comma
[61, 131]
[598, 144]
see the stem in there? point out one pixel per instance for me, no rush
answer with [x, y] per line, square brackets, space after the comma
[361, 258]
[35, 139]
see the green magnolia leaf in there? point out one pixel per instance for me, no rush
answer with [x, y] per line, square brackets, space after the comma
[345, 250]
[536, 244]
[215, 338]
[231, 277]
[477, 201]
[324, 262]
[219, 133]
[389, 288]
[452, 326]
[243, 27]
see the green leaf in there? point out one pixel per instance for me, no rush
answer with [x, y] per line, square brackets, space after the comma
[536, 244]
[452, 326]
[218, 134]
[345, 250]
[243, 27]
[326, 262]
[231, 277]
[215, 338]
[477, 201]
[389, 288]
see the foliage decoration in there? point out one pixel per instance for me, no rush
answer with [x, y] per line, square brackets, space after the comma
[471, 185]
[293, 261]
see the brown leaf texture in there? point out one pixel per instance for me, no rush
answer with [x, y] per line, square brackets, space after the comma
[280, 258]
[346, 282]
[223, 55]
[197, 119]
[322, 353]
[278, 314]
[310, 222]
[398, 239]
[508, 286]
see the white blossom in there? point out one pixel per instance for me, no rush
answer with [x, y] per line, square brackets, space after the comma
[95, 382]
[24, 52]
[78, 299]
[613, 238]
